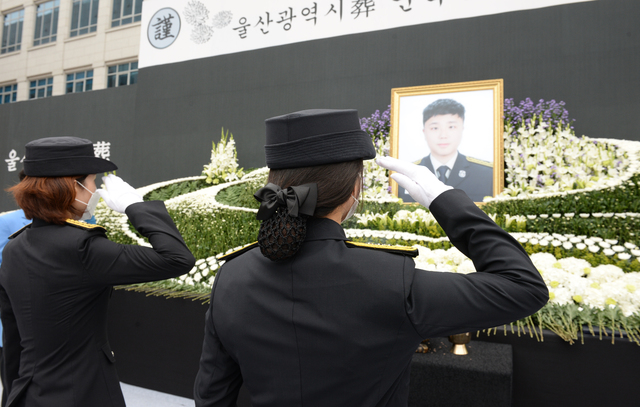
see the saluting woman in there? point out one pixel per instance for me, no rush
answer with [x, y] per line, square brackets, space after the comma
[306, 317]
[57, 274]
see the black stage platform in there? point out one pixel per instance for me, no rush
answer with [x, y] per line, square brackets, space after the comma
[157, 343]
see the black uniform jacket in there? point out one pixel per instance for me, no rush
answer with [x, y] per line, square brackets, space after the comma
[337, 325]
[55, 282]
[473, 178]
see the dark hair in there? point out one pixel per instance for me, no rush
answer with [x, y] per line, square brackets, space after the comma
[281, 235]
[47, 198]
[442, 106]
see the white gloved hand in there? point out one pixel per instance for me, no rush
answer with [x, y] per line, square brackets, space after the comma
[118, 195]
[422, 184]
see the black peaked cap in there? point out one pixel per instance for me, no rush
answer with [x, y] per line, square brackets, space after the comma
[316, 137]
[62, 157]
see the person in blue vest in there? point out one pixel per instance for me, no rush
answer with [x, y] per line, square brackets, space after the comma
[57, 274]
[307, 317]
[443, 129]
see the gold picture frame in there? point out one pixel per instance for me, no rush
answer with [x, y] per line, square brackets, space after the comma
[478, 155]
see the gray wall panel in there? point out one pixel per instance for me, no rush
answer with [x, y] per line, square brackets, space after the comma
[586, 54]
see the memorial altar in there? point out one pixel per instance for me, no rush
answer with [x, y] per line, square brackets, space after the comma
[572, 202]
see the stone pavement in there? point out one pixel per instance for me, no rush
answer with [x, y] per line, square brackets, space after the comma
[139, 397]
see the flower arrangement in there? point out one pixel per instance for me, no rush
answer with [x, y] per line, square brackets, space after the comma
[376, 179]
[529, 116]
[546, 160]
[581, 235]
[224, 161]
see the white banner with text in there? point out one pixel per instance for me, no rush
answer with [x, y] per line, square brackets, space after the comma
[181, 30]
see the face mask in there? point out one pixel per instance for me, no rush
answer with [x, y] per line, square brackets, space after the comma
[91, 205]
[353, 208]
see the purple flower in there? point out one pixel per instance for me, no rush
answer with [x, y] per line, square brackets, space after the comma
[530, 115]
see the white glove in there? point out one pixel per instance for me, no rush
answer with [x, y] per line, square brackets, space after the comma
[422, 184]
[118, 195]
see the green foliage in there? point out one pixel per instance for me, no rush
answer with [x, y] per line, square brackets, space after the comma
[624, 198]
[240, 195]
[568, 321]
[621, 229]
[571, 322]
[210, 233]
[389, 207]
[176, 189]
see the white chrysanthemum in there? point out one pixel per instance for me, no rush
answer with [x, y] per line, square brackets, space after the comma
[201, 34]
[606, 273]
[196, 13]
[222, 19]
[574, 265]
[543, 260]
[562, 296]
[594, 298]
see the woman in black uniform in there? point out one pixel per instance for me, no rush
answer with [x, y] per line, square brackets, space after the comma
[57, 274]
[307, 318]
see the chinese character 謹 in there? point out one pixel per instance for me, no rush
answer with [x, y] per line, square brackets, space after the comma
[163, 27]
[102, 149]
[12, 160]
[362, 6]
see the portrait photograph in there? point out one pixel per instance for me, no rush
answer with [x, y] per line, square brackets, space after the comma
[455, 130]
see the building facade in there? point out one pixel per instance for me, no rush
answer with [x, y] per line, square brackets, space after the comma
[54, 47]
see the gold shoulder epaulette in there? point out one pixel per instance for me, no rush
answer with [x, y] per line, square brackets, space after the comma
[404, 250]
[481, 162]
[238, 252]
[84, 225]
[417, 162]
[16, 233]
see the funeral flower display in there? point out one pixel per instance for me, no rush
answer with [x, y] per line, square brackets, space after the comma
[572, 202]
[224, 161]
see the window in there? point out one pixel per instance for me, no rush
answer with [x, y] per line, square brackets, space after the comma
[126, 12]
[84, 17]
[122, 75]
[8, 93]
[46, 22]
[40, 88]
[80, 81]
[12, 32]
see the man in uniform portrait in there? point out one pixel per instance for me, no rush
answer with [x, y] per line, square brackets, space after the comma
[443, 129]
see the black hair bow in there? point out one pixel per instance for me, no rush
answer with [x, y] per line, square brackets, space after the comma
[300, 199]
